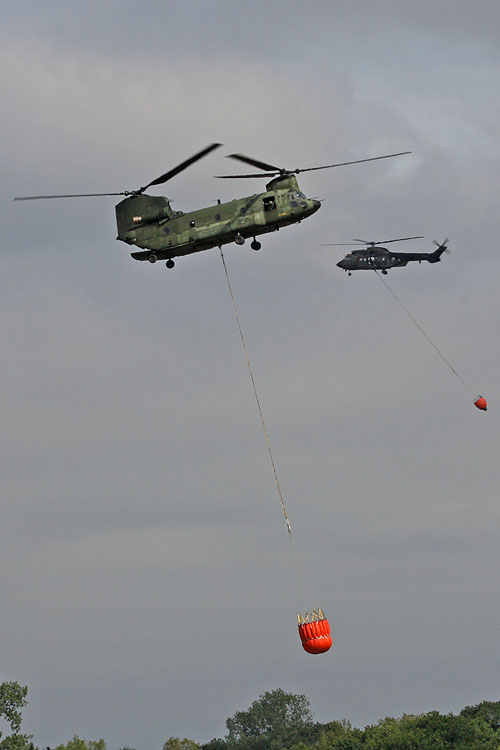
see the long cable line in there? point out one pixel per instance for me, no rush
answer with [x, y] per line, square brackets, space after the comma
[297, 562]
[431, 342]
[264, 428]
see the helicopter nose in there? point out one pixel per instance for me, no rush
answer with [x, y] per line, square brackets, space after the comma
[316, 204]
[341, 264]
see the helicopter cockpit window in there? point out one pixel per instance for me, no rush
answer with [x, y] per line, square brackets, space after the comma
[269, 203]
[297, 195]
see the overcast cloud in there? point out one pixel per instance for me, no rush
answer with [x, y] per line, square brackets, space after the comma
[147, 584]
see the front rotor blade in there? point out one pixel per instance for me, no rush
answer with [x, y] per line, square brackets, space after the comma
[254, 162]
[184, 165]
[72, 195]
[358, 161]
[244, 176]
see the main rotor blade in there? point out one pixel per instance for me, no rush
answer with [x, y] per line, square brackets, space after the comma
[184, 165]
[273, 171]
[71, 195]
[357, 161]
[244, 176]
[158, 181]
[401, 239]
[255, 163]
[384, 242]
[369, 243]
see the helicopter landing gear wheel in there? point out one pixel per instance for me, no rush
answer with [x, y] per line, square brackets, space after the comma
[170, 263]
[152, 258]
[255, 245]
[384, 271]
[349, 273]
[239, 239]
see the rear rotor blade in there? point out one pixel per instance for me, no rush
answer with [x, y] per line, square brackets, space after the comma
[158, 181]
[71, 195]
[184, 165]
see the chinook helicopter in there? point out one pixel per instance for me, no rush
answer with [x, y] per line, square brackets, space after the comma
[149, 222]
[375, 258]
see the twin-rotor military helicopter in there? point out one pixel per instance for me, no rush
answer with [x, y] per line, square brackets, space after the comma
[149, 222]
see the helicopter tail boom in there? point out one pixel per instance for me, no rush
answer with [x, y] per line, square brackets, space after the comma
[435, 257]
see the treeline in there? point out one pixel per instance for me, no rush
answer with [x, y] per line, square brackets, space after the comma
[283, 721]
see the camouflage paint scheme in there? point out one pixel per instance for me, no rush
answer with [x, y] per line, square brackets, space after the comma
[150, 222]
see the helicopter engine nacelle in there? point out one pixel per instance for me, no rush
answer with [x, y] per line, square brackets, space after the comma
[139, 210]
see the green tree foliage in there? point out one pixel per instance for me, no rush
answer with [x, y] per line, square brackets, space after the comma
[17, 742]
[276, 720]
[81, 744]
[488, 711]
[214, 744]
[339, 735]
[174, 743]
[12, 700]
[282, 721]
[431, 731]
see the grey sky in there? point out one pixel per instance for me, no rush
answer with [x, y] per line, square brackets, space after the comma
[147, 584]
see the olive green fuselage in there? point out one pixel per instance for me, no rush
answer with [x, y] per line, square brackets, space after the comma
[150, 223]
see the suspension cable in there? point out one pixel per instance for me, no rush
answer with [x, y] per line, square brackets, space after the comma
[431, 342]
[264, 429]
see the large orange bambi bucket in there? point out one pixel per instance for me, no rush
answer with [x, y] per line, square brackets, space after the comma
[314, 631]
[481, 403]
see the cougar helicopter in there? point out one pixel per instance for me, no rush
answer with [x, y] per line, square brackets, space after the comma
[150, 223]
[375, 258]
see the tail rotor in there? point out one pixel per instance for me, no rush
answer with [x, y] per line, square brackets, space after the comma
[443, 246]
